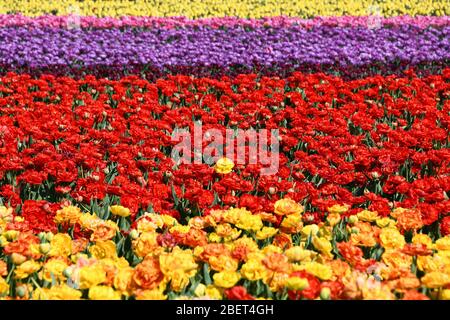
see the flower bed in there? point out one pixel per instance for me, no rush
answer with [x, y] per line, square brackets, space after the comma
[358, 208]
[72, 20]
[230, 254]
[224, 149]
[232, 8]
[202, 51]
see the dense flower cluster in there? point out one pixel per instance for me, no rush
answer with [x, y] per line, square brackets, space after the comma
[98, 200]
[374, 143]
[73, 21]
[228, 254]
[233, 8]
[202, 50]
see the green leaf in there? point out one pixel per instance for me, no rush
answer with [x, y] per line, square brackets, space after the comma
[206, 275]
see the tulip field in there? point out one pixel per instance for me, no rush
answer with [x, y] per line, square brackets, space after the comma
[109, 192]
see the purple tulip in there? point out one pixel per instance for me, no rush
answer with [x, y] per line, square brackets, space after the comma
[111, 51]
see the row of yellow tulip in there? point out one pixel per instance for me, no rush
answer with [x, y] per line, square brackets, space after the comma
[230, 254]
[218, 8]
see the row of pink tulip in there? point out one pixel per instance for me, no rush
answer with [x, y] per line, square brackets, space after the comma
[171, 22]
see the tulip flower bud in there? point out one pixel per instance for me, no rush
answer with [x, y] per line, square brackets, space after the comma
[67, 272]
[325, 293]
[134, 234]
[168, 174]
[17, 258]
[353, 219]
[21, 291]
[355, 230]
[272, 190]
[49, 236]
[11, 235]
[44, 248]
[3, 241]
[375, 175]
[200, 290]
